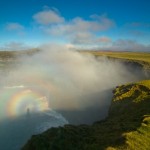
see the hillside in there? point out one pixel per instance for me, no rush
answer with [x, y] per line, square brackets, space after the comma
[137, 56]
[9, 59]
[142, 58]
[126, 128]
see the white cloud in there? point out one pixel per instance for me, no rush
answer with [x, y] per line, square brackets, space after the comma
[80, 25]
[83, 38]
[76, 30]
[128, 45]
[84, 32]
[104, 40]
[80, 31]
[104, 22]
[14, 26]
[47, 17]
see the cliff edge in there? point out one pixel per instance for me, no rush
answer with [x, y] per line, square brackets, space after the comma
[126, 128]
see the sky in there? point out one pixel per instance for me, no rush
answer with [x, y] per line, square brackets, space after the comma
[91, 24]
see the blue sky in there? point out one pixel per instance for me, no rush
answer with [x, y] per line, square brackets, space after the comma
[101, 24]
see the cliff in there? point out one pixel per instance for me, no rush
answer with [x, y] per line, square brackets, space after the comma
[126, 127]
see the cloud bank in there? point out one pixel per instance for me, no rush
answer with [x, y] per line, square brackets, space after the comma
[76, 30]
[98, 31]
[124, 45]
[87, 33]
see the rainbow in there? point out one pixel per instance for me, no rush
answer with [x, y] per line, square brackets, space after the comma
[26, 100]
[17, 100]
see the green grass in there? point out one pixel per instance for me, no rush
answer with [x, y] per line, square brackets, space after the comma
[14, 54]
[145, 83]
[134, 56]
[10, 59]
[126, 128]
[140, 56]
[139, 138]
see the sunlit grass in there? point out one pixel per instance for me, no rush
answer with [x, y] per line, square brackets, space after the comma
[140, 139]
[142, 56]
[145, 83]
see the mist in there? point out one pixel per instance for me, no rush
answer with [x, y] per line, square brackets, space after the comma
[65, 77]
[57, 86]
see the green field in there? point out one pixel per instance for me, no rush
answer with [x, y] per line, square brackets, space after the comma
[133, 56]
[136, 56]
[142, 58]
[15, 54]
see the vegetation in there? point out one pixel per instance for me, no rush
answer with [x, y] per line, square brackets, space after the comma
[14, 54]
[134, 56]
[142, 58]
[126, 128]
[9, 59]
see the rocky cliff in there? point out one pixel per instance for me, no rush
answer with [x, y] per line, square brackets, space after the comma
[126, 127]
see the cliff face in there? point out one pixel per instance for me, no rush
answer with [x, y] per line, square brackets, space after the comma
[127, 126]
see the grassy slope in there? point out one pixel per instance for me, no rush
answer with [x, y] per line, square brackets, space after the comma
[127, 127]
[14, 54]
[135, 98]
[134, 56]
[140, 57]
[9, 59]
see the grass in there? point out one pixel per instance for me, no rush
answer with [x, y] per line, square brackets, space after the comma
[10, 59]
[14, 54]
[142, 58]
[138, 139]
[137, 56]
[145, 83]
[134, 56]
[126, 128]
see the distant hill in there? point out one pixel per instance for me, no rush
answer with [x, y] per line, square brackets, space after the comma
[126, 128]
[135, 56]
[9, 59]
[142, 58]
[14, 54]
